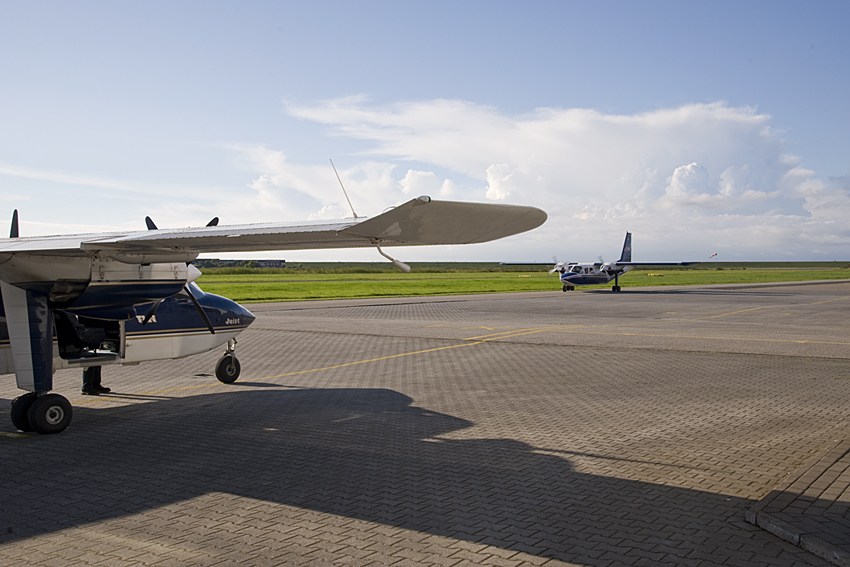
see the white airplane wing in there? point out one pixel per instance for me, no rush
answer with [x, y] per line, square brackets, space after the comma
[655, 263]
[103, 277]
[419, 221]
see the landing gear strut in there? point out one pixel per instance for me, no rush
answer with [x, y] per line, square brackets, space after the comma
[616, 287]
[42, 413]
[227, 368]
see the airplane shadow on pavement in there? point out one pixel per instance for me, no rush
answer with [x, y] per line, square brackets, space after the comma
[360, 453]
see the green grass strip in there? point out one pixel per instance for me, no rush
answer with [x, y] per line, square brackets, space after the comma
[265, 285]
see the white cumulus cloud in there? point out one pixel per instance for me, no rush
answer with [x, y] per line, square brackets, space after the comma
[687, 181]
[692, 179]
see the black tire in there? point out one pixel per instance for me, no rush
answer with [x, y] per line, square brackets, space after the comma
[227, 369]
[50, 413]
[566, 288]
[20, 410]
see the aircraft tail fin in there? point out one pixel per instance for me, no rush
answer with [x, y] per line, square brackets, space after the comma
[626, 255]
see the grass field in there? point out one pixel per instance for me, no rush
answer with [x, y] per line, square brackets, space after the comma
[311, 282]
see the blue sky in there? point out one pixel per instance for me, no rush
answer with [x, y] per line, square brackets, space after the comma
[703, 128]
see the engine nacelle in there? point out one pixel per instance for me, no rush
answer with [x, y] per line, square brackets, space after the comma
[115, 287]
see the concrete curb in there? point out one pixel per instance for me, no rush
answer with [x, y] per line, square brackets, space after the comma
[803, 531]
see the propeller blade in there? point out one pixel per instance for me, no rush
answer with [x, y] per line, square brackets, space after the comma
[13, 233]
[150, 223]
[200, 309]
[213, 222]
[151, 312]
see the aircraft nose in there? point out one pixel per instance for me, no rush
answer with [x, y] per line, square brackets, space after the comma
[225, 312]
[247, 316]
[238, 313]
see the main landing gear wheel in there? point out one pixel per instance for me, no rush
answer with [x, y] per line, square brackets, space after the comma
[615, 289]
[569, 288]
[50, 413]
[227, 369]
[20, 409]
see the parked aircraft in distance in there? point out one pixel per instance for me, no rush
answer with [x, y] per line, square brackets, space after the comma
[91, 300]
[600, 273]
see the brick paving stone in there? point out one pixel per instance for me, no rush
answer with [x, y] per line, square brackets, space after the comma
[556, 447]
[441, 560]
[383, 559]
[799, 508]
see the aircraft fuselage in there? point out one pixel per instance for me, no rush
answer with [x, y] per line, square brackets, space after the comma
[584, 274]
[175, 330]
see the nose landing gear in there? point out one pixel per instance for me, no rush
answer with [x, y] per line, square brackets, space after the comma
[227, 368]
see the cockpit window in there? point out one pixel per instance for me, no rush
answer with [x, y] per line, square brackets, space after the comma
[196, 291]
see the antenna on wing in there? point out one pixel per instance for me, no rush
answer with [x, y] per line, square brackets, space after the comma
[13, 233]
[343, 189]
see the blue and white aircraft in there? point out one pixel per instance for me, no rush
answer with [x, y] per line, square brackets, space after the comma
[91, 300]
[600, 273]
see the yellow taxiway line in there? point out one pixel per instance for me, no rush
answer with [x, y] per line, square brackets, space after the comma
[509, 334]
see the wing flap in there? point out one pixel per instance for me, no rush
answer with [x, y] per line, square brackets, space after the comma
[235, 238]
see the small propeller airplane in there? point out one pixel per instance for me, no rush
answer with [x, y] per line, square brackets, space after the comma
[600, 273]
[91, 300]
